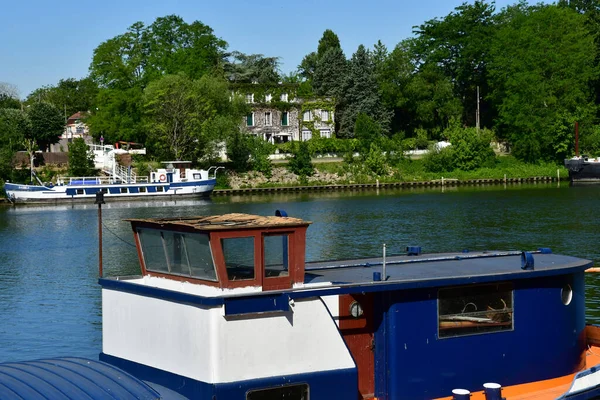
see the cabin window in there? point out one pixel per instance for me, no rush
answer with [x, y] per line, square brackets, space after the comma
[276, 253]
[153, 250]
[123, 190]
[239, 257]
[159, 188]
[469, 310]
[142, 189]
[290, 392]
[197, 176]
[79, 191]
[186, 254]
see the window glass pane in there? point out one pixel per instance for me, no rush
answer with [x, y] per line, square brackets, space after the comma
[239, 257]
[291, 392]
[276, 255]
[152, 250]
[176, 254]
[200, 257]
[475, 309]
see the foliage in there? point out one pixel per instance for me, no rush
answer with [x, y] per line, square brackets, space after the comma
[260, 151]
[187, 119]
[360, 95]
[14, 124]
[118, 116]
[375, 160]
[81, 158]
[252, 68]
[330, 72]
[471, 147]
[458, 44]
[238, 151]
[7, 101]
[69, 95]
[300, 163]
[542, 80]
[439, 159]
[590, 143]
[47, 124]
[368, 134]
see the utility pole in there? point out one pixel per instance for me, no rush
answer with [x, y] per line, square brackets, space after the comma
[477, 114]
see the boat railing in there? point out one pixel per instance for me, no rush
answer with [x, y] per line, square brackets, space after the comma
[214, 171]
[99, 180]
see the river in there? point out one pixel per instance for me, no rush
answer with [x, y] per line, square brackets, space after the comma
[50, 301]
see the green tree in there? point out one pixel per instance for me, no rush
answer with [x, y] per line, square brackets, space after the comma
[14, 125]
[47, 124]
[81, 159]
[361, 95]
[69, 95]
[542, 80]
[459, 45]
[470, 147]
[186, 118]
[328, 41]
[307, 67]
[253, 68]
[238, 151]
[300, 162]
[329, 75]
[367, 132]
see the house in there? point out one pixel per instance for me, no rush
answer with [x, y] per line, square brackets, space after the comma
[278, 115]
[74, 128]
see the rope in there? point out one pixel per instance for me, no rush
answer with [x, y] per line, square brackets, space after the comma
[117, 236]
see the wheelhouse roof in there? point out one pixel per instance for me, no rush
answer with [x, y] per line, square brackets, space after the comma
[234, 221]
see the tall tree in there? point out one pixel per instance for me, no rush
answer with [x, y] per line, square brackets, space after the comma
[187, 118]
[47, 124]
[252, 68]
[126, 64]
[361, 95]
[328, 41]
[9, 96]
[14, 125]
[459, 44]
[69, 95]
[331, 71]
[542, 80]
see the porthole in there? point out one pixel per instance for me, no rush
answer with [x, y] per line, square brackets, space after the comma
[566, 294]
[356, 310]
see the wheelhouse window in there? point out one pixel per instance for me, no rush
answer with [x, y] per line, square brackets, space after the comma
[239, 257]
[290, 392]
[276, 254]
[176, 253]
[469, 310]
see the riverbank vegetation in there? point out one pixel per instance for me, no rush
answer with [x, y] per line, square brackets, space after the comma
[517, 77]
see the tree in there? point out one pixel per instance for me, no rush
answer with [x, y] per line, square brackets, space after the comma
[361, 95]
[367, 132]
[328, 41]
[186, 118]
[14, 125]
[9, 96]
[329, 76]
[238, 151]
[252, 68]
[125, 65]
[307, 67]
[459, 45]
[69, 95]
[542, 80]
[47, 124]
[81, 158]
[300, 163]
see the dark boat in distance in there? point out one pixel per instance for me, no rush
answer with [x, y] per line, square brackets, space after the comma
[582, 169]
[227, 307]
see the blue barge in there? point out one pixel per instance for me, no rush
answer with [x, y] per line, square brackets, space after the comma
[226, 307]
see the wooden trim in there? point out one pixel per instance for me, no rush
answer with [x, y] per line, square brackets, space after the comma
[183, 278]
[138, 245]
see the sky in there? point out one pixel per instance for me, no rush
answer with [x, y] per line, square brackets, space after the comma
[44, 41]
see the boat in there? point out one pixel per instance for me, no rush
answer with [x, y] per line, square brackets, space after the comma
[175, 180]
[582, 168]
[227, 307]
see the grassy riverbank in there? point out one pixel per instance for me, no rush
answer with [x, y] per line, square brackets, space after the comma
[341, 173]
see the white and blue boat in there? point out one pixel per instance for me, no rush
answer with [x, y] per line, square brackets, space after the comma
[175, 180]
[226, 307]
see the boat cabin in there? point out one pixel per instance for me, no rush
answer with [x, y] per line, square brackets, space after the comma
[178, 171]
[227, 307]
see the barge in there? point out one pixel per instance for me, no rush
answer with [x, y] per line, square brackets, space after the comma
[227, 307]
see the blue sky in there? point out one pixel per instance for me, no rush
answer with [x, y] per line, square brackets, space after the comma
[43, 41]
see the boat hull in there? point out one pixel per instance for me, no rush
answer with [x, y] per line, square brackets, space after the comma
[583, 170]
[34, 194]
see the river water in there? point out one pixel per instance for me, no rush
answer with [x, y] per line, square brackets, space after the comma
[50, 302]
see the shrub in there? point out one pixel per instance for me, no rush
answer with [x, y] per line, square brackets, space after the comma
[375, 160]
[439, 160]
[238, 151]
[471, 147]
[300, 163]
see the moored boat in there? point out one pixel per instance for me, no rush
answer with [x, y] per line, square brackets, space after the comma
[176, 179]
[226, 307]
